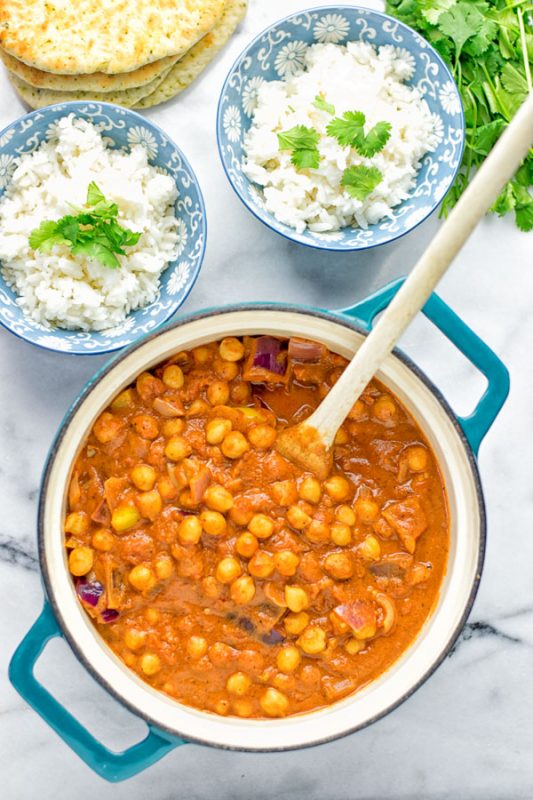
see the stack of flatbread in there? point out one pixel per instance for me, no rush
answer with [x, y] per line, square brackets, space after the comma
[136, 53]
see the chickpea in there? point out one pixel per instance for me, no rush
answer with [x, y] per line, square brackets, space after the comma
[217, 498]
[367, 510]
[384, 408]
[241, 513]
[143, 476]
[243, 707]
[124, 517]
[123, 400]
[202, 355]
[152, 616]
[286, 562]
[166, 488]
[262, 436]
[339, 566]
[234, 445]
[241, 392]
[337, 487]
[417, 459]
[190, 530]
[341, 534]
[228, 569]
[213, 523]
[196, 647]
[222, 707]
[288, 659]
[150, 663]
[358, 411]
[220, 654]
[298, 518]
[172, 427]
[103, 540]
[164, 567]
[227, 370]
[341, 437]
[310, 490]
[77, 523]
[284, 493]
[146, 426]
[80, 561]
[134, 638]
[261, 526]
[274, 703]
[238, 683]
[261, 565]
[296, 598]
[148, 386]
[217, 429]
[296, 623]
[354, 646]
[149, 504]
[107, 427]
[218, 393]
[177, 448]
[242, 590]
[313, 640]
[345, 514]
[173, 376]
[246, 545]
[231, 349]
[370, 549]
[318, 531]
[141, 578]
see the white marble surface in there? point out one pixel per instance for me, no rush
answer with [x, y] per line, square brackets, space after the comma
[468, 733]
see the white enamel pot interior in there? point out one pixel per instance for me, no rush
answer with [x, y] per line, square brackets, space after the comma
[415, 665]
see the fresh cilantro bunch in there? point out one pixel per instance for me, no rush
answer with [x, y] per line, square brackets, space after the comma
[358, 181]
[94, 232]
[489, 47]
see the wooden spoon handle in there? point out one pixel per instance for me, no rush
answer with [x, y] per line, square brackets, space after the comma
[498, 168]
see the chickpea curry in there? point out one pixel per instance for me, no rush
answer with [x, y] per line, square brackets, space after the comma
[221, 573]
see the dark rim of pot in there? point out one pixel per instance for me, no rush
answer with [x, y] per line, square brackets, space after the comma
[90, 386]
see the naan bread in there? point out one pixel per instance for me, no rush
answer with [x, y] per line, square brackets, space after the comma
[92, 82]
[108, 36]
[38, 98]
[184, 71]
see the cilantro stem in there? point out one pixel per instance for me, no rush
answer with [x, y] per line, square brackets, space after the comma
[524, 49]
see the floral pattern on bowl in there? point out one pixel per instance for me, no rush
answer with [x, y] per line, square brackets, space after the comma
[279, 53]
[121, 128]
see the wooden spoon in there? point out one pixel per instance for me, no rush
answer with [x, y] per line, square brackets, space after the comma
[309, 444]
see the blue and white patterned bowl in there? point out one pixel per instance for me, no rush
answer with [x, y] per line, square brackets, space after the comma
[278, 52]
[122, 128]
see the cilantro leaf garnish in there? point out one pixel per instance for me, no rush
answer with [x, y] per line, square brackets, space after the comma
[322, 105]
[303, 143]
[360, 181]
[488, 45]
[93, 232]
[375, 140]
[347, 129]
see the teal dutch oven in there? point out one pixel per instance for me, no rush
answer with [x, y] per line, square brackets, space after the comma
[455, 441]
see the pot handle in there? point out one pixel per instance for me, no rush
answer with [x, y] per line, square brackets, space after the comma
[476, 424]
[108, 764]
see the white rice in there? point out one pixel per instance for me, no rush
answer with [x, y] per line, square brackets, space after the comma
[58, 288]
[355, 77]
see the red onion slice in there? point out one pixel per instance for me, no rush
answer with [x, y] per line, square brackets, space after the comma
[305, 350]
[89, 591]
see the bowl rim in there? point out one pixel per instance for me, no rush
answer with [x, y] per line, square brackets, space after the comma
[48, 580]
[81, 105]
[271, 223]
